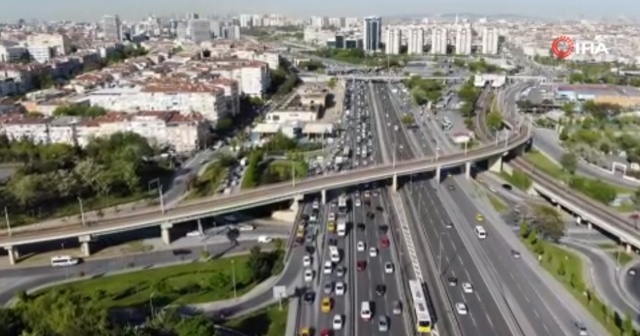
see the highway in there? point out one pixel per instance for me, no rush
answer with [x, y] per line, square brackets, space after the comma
[454, 259]
[259, 196]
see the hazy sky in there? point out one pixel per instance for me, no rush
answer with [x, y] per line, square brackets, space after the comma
[11, 10]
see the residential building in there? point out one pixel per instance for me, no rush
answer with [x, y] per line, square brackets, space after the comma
[205, 99]
[252, 76]
[490, 38]
[372, 32]
[198, 30]
[112, 28]
[415, 41]
[392, 41]
[246, 20]
[319, 22]
[464, 36]
[11, 52]
[439, 41]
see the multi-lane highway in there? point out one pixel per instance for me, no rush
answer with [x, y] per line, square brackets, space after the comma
[431, 221]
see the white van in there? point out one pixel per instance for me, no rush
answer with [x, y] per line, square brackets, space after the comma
[365, 310]
[334, 254]
[61, 261]
[480, 232]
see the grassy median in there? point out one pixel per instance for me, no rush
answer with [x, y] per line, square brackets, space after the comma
[270, 321]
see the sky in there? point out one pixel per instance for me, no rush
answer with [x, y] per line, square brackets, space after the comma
[93, 10]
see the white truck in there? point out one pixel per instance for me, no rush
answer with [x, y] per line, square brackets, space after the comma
[342, 227]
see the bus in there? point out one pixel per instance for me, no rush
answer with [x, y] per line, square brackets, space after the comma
[346, 152]
[342, 203]
[423, 318]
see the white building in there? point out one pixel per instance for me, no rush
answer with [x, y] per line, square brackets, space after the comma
[272, 59]
[207, 100]
[464, 36]
[372, 33]
[252, 76]
[199, 30]
[415, 41]
[439, 41]
[246, 20]
[319, 21]
[112, 28]
[490, 38]
[392, 41]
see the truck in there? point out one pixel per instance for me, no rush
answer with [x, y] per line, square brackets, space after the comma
[342, 227]
[342, 203]
[243, 161]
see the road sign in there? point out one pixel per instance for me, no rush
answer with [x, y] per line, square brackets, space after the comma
[279, 292]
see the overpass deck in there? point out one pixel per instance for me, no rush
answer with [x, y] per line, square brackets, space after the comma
[264, 195]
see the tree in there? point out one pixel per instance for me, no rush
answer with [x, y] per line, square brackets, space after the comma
[568, 109]
[627, 325]
[224, 124]
[549, 223]
[279, 244]
[332, 83]
[220, 281]
[569, 162]
[11, 322]
[562, 269]
[494, 121]
[198, 325]
[232, 235]
[259, 264]
[524, 230]
[408, 119]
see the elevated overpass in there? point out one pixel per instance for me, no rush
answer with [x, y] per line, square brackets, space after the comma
[397, 78]
[150, 217]
[587, 210]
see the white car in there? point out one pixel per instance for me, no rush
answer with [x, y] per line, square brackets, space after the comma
[358, 203]
[308, 275]
[337, 322]
[340, 288]
[467, 288]
[332, 217]
[306, 261]
[328, 267]
[316, 205]
[265, 239]
[461, 308]
[361, 246]
[195, 233]
[388, 268]
[373, 252]
[246, 227]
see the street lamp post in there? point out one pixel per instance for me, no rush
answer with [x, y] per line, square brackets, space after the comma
[156, 182]
[82, 218]
[233, 279]
[151, 303]
[6, 218]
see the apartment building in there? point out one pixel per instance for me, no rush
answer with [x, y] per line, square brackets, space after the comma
[490, 37]
[205, 99]
[439, 41]
[272, 59]
[182, 132]
[252, 76]
[464, 36]
[415, 41]
[392, 41]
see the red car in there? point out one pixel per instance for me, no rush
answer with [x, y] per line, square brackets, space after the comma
[325, 332]
[361, 265]
[384, 242]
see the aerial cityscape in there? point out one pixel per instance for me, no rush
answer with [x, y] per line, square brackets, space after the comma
[192, 172]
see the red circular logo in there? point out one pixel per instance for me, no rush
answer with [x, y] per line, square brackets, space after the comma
[562, 47]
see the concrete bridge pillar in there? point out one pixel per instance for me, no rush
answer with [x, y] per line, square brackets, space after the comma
[85, 245]
[627, 248]
[394, 185]
[467, 170]
[495, 164]
[589, 225]
[438, 172]
[323, 197]
[166, 233]
[13, 254]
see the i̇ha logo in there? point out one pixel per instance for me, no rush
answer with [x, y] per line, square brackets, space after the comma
[564, 46]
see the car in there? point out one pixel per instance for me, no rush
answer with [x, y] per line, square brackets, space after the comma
[383, 229]
[308, 275]
[461, 308]
[507, 186]
[246, 227]
[381, 289]
[195, 233]
[631, 271]
[328, 267]
[384, 242]
[467, 288]
[383, 323]
[449, 225]
[582, 329]
[305, 332]
[371, 215]
[265, 239]
[361, 226]
[451, 187]
[325, 332]
[388, 268]
[340, 288]
[337, 322]
[373, 252]
[309, 297]
[367, 194]
[361, 246]
[479, 217]
[397, 307]
[515, 254]
[332, 217]
[306, 261]
[326, 304]
[315, 205]
[340, 272]
[452, 281]
[327, 288]
[358, 202]
[332, 242]
[379, 209]
[361, 265]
